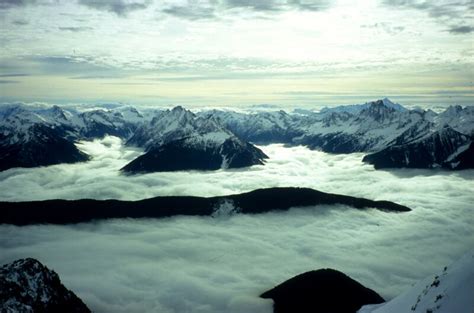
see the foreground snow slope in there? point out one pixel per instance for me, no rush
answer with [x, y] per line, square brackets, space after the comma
[449, 291]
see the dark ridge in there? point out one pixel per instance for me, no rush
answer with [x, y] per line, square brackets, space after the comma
[321, 291]
[257, 201]
[177, 156]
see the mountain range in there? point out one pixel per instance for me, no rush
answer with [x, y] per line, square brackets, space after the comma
[390, 135]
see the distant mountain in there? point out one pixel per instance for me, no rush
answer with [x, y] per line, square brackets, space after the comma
[433, 150]
[254, 202]
[262, 127]
[383, 129]
[178, 139]
[28, 286]
[356, 108]
[449, 291]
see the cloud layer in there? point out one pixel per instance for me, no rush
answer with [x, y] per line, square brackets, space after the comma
[222, 264]
[252, 51]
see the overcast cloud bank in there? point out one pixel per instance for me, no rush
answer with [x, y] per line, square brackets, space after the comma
[222, 264]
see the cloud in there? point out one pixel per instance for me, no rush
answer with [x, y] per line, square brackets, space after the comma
[386, 27]
[7, 4]
[119, 7]
[20, 22]
[461, 29]
[443, 11]
[279, 5]
[57, 65]
[191, 12]
[194, 10]
[7, 81]
[76, 29]
[222, 264]
[14, 75]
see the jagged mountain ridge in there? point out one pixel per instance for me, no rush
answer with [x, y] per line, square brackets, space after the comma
[28, 286]
[372, 128]
[177, 139]
[174, 139]
[388, 132]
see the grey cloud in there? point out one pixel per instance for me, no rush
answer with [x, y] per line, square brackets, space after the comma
[14, 75]
[119, 7]
[386, 27]
[311, 5]
[6, 4]
[461, 29]
[257, 5]
[278, 5]
[211, 9]
[20, 22]
[204, 264]
[76, 29]
[191, 12]
[443, 11]
[6, 81]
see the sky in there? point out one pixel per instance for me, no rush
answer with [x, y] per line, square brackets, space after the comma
[222, 263]
[299, 53]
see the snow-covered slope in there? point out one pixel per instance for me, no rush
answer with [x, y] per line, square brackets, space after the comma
[356, 108]
[432, 150]
[28, 286]
[449, 291]
[261, 127]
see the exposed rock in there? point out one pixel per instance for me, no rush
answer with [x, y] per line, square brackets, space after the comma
[28, 286]
[321, 291]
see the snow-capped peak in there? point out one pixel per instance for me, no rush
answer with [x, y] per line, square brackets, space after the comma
[396, 106]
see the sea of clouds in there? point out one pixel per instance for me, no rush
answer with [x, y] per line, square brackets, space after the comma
[222, 263]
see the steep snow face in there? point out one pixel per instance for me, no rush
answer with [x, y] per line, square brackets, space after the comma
[20, 125]
[356, 108]
[165, 126]
[16, 122]
[28, 286]
[180, 124]
[459, 118]
[432, 150]
[98, 123]
[450, 290]
[261, 127]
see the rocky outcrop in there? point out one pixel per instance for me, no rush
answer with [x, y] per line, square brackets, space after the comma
[321, 291]
[28, 286]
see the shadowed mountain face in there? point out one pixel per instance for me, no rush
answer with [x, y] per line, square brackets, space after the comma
[28, 286]
[321, 291]
[46, 146]
[258, 201]
[180, 155]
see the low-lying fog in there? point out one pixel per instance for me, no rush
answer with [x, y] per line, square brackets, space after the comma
[204, 264]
